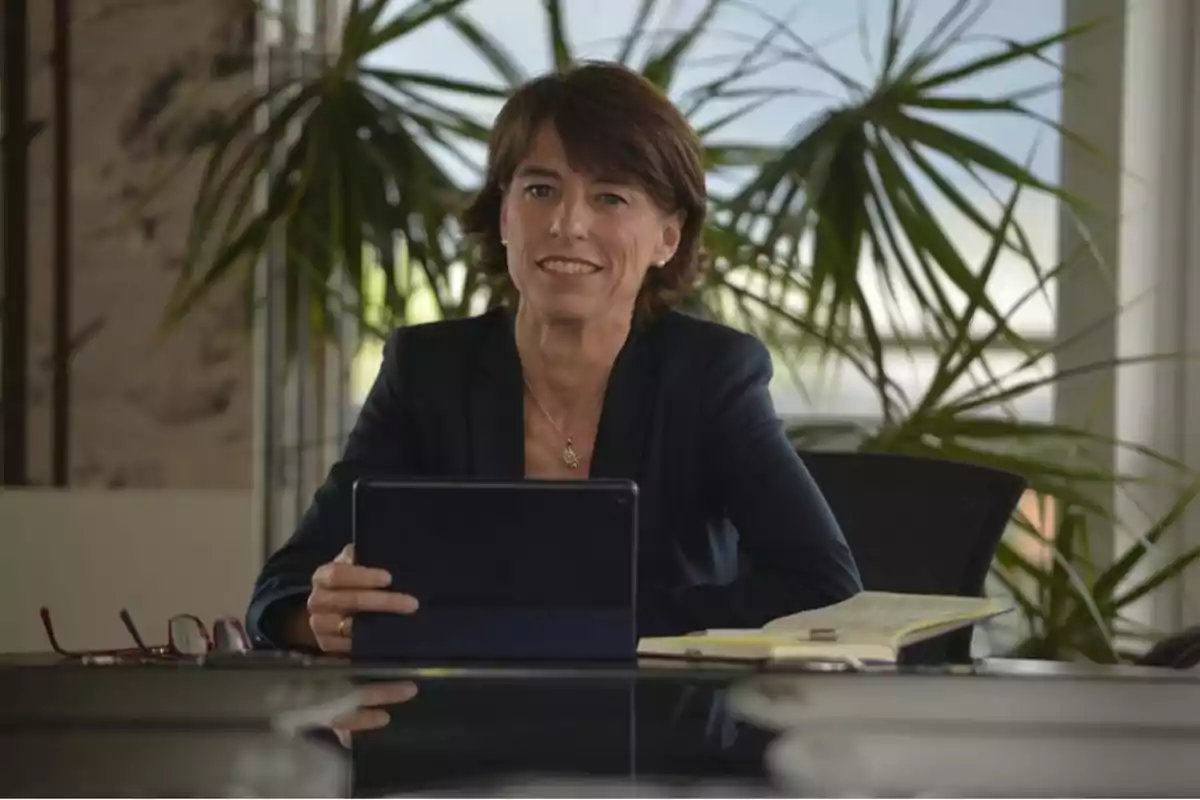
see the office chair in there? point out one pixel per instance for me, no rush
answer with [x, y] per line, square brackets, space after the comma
[920, 526]
[1178, 651]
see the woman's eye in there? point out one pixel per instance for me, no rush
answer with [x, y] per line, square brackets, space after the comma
[610, 199]
[539, 190]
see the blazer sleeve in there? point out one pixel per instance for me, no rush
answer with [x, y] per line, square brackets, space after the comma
[379, 442]
[799, 558]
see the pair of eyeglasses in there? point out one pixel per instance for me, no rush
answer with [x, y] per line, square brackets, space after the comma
[187, 638]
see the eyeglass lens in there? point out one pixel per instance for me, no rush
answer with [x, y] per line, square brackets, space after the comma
[229, 637]
[188, 636]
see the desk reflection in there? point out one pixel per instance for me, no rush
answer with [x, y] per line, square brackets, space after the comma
[434, 735]
[657, 730]
[373, 709]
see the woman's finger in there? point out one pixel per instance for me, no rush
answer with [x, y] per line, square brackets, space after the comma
[329, 625]
[387, 694]
[364, 719]
[327, 629]
[348, 576]
[370, 714]
[333, 644]
[344, 602]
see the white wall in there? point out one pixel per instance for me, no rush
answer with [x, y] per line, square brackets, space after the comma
[86, 554]
[1158, 403]
[1136, 98]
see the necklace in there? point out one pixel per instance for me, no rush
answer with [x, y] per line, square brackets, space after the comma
[569, 457]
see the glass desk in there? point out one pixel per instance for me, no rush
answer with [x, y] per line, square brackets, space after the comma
[660, 728]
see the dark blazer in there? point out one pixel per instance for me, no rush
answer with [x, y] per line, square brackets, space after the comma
[733, 531]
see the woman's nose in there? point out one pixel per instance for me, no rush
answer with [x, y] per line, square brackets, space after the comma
[572, 218]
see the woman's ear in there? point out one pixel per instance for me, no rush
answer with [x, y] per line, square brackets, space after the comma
[672, 234]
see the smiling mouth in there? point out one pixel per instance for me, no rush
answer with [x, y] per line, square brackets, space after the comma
[568, 266]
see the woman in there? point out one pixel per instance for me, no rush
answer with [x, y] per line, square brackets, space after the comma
[591, 219]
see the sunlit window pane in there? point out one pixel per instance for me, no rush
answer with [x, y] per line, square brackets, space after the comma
[848, 37]
[841, 391]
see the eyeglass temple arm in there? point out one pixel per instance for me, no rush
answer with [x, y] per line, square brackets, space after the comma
[127, 621]
[49, 626]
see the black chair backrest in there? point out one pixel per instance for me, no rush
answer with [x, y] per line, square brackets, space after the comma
[919, 525]
[1178, 651]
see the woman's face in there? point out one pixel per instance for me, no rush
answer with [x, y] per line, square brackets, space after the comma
[579, 246]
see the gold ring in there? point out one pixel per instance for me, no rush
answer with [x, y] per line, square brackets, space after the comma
[343, 627]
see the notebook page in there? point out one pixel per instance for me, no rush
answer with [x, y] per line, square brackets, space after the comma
[883, 616]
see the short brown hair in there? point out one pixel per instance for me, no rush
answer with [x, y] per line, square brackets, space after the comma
[610, 118]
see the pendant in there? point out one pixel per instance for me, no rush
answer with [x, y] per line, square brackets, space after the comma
[569, 457]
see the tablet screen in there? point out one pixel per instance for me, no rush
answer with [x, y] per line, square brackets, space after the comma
[525, 569]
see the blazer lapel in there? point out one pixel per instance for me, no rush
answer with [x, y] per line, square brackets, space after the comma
[628, 407]
[496, 411]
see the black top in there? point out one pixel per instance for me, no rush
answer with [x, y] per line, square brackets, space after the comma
[732, 529]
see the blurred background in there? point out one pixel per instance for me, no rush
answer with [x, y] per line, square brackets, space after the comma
[962, 227]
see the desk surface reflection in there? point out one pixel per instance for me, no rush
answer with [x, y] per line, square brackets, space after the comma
[659, 728]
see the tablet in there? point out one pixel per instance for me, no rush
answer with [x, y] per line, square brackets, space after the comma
[503, 570]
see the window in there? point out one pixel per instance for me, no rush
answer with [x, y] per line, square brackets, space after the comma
[595, 26]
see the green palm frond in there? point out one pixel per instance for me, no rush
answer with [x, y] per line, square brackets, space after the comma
[1069, 615]
[845, 188]
[352, 157]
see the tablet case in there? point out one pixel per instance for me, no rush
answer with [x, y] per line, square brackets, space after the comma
[503, 570]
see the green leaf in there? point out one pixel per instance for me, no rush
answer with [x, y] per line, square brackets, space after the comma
[1061, 590]
[560, 48]
[709, 129]
[359, 27]
[636, 31]
[1171, 571]
[407, 80]
[972, 69]
[418, 14]
[493, 52]
[737, 155]
[1108, 583]
[966, 150]
[976, 398]
[802, 51]
[948, 373]
[663, 65]
[897, 31]
[942, 37]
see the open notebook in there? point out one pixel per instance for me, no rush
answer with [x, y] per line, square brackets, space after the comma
[869, 627]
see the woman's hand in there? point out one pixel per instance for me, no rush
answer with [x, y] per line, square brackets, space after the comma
[369, 716]
[341, 589]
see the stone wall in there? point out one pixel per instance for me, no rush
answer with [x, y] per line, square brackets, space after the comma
[150, 81]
